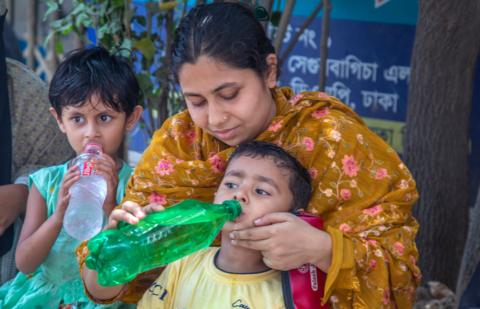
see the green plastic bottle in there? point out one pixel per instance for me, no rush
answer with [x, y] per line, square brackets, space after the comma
[160, 238]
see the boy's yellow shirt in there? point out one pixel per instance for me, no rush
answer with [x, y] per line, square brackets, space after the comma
[195, 282]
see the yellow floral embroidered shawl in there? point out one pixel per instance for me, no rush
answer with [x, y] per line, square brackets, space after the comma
[361, 189]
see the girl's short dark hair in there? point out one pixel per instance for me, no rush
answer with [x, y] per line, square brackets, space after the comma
[94, 71]
[228, 32]
[299, 180]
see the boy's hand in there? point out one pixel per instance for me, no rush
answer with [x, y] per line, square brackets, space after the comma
[131, 213]
[106, 167]
[72, 176]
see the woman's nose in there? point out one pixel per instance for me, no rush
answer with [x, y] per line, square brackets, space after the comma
[216, 115]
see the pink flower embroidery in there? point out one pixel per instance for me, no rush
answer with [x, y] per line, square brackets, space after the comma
[345, 194]
[372, 264]
[308, 143]
[190, 135]
[344, 228]
[295, 99]
[164, 167]
[381, 173]
[398, 247]
[320, 113]
[350, 166]
[323, 95]
[275, 126]
[373, 211]
[218, 164]
[156, 198]
[371, 242]
[313, 173]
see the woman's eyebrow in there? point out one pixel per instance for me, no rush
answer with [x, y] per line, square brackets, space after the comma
[225, 85]
[222, 86]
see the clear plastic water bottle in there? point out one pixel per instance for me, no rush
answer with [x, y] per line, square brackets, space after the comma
[84, 215]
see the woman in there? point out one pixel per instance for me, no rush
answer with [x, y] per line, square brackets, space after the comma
[227, 69]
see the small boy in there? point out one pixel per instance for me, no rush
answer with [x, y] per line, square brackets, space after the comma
[264, 178]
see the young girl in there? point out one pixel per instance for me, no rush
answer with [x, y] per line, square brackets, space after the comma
[94, 99]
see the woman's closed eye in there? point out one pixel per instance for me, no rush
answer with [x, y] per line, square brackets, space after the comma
[229, 96]
[196, 101]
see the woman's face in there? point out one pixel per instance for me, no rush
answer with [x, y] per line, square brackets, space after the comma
[234, 105]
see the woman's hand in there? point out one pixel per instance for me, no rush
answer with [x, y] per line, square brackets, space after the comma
[106, 167]
[286, 242]
[131, 213]
[72, 176]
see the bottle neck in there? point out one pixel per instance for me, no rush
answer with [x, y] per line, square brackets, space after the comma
[233, 209]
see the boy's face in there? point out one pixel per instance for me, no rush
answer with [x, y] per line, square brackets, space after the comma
[259, 185]
[94, 122]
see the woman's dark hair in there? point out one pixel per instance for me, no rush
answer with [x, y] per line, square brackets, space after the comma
[228, 32]
[94, 71]
[299, 179]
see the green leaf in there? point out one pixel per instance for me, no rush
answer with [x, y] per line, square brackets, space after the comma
[58, 47]
[80, 8]
[126, 44]
[146, 47]
[51, 7]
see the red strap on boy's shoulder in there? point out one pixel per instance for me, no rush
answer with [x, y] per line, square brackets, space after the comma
[304, 287]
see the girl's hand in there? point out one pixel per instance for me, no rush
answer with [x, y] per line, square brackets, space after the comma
[106, 167]
[131, 213]
[286, 242]
[72, 176]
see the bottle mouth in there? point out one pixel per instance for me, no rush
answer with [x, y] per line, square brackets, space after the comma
[93, 147]
[234, 207]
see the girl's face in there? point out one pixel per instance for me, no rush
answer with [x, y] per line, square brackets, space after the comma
[94, 122]
[234, 105]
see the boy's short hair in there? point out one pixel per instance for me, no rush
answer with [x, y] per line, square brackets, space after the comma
[299, 179]
[94, 71]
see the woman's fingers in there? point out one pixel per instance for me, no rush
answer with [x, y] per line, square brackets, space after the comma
[253, 233]
[274, 217]
[259, 245]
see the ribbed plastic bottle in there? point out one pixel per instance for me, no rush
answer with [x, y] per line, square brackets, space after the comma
[160, 238]
[84, 215]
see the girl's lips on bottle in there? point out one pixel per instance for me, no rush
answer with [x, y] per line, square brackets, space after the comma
[93, 145]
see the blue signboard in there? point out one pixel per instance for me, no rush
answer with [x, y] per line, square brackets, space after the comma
[367, 69]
